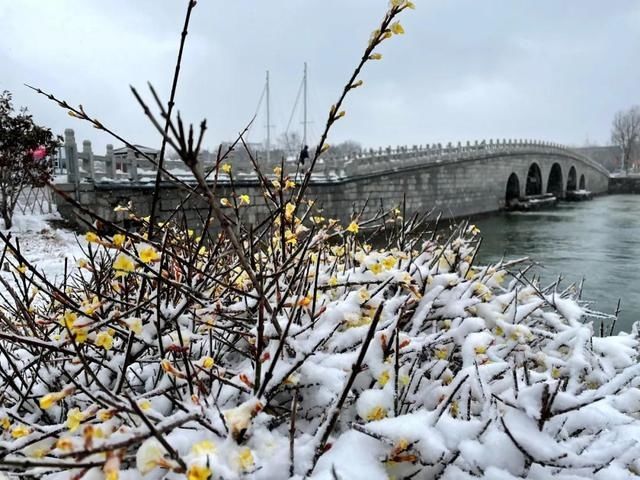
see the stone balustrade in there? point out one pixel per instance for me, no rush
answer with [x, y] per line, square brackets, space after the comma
[86, 166]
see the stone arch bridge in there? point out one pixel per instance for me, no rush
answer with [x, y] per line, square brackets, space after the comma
[456, 181]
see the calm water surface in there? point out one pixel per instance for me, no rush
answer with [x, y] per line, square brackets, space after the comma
[598, 240]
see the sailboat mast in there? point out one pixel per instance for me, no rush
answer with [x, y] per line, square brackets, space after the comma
[304, 135]
[268, 120]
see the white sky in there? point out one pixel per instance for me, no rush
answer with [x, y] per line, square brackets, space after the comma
[466, 69]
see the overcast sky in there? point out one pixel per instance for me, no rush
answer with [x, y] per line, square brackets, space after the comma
[466, 69]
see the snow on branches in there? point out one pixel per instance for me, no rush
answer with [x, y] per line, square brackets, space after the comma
[353, 362]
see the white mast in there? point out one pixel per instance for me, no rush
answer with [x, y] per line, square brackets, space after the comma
[268, 121]
[304, 135]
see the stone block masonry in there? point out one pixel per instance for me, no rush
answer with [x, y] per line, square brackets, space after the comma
[454, 181]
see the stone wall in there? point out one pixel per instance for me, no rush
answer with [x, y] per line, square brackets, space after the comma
[624, 185]
[454, 186]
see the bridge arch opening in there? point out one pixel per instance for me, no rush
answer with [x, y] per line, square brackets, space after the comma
[513, 190]
[534, 181]
[555, 184]
[583, 182]
[572, 181]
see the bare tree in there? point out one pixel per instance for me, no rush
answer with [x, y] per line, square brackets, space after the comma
[625, 132]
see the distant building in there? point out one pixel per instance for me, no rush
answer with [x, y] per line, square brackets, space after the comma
[120, 157]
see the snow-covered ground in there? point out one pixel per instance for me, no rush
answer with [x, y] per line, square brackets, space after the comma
[43, 244]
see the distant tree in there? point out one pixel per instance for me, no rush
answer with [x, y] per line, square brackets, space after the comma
[347, 147]
[625, 133]
[26, 151]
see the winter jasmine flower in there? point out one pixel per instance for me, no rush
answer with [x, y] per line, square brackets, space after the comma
[353, 228]
[118, 240]
[149, 254]
[245, 459]
[123, 265]
[91, 237]
[20, 431]
[105, 340]
[74, 418]
[198, 472]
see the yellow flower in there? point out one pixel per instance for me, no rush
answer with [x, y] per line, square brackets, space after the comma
[480, 349]
[80, 334]
[149, 254]
[5, 423]
[333, 281]
[144, 404]
[290, 237]
[289, 184]
[104, 340]
[384, 378]
[375, 56]
[226, 168]
[92, 237]
[104, 415]
[376, 268]
[118, 240]
[245, 200]
[396, 28]
[198, 472]
[22, 269]
[68, 319]
[441, 352]
[277, 171]
[225, 202]
[364, 294]
[123, 265]
[203, 447]
[288, 210]
[112, 469]
[20, 431]
[353, 228]
[207, 362]
[317, 219]
[389, 262]
[245, 459]
[376, 413]
[134, 324]
[454, 409]
[50, 399]
[74, 418]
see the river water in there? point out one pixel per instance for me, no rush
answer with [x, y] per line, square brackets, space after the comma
[598, 240]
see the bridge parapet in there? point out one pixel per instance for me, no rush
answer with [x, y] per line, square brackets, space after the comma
[136, 165]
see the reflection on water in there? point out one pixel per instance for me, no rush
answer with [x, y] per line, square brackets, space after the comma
[598, 240]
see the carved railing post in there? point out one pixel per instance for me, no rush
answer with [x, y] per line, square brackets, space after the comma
[110, 163]
[87, 159]
[71, 155]
[132, 165]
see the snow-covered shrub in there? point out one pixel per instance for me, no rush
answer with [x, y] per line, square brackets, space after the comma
[343, 361]
[303, 347]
